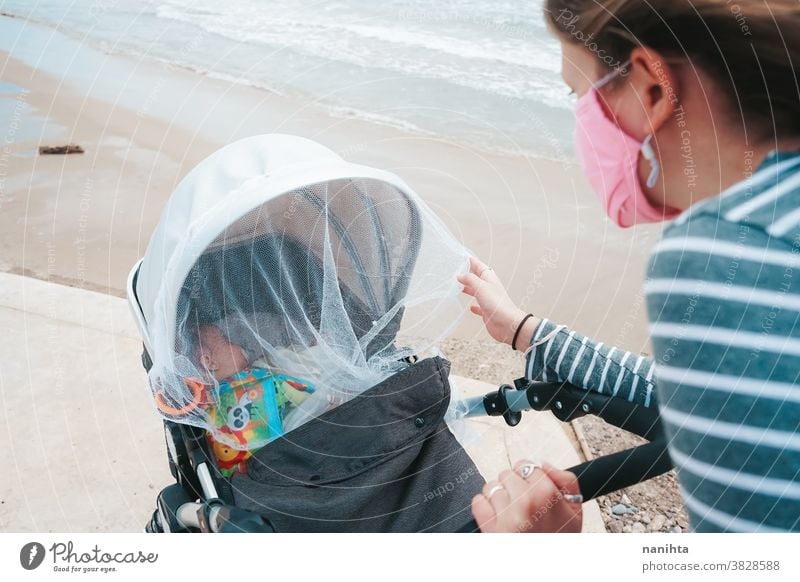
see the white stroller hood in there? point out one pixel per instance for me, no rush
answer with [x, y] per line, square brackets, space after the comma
[300, 264]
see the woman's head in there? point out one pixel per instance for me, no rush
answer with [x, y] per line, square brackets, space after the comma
[724, 71]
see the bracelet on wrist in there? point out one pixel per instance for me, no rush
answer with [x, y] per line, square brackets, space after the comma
[519, 329]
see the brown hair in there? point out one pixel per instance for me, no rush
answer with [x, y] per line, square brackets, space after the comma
[749, 48]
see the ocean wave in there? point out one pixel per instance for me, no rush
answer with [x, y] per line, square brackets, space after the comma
[457, 76]
[507, 67]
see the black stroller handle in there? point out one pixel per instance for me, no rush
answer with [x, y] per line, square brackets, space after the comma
[623, 469]
[567, 402]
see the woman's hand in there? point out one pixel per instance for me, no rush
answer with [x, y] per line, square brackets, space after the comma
[500, 315]
[543, 501]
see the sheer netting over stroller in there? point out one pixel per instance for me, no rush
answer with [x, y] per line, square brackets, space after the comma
[290, 305]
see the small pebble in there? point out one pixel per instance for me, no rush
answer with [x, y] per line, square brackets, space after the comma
[619, 509]
[615, 526]
[638, 528]
[626, 529]
[675, 529]
[657, 523]
[625, 499]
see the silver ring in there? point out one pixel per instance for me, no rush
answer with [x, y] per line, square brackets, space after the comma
[578, 499]
[494, 490]
[527, 470]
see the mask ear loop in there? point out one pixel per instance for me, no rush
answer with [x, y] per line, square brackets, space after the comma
[646, 148]
[650, 156]
[608, 76]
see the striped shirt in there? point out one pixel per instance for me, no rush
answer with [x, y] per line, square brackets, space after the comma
[723, 301]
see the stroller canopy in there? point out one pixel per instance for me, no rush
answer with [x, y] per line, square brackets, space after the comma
[275, 254]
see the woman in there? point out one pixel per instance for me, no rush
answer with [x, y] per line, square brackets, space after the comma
[687, 110]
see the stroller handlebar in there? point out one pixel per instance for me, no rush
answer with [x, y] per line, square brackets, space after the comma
[567, 402]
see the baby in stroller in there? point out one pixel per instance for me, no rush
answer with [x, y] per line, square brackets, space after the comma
[253, 403]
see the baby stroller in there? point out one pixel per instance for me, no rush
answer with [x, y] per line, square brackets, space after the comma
[327, 285]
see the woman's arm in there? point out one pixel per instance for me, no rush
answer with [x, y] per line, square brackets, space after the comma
[557, 354]
[554, 352]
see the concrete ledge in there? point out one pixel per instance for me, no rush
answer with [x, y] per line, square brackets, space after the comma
[84, 450]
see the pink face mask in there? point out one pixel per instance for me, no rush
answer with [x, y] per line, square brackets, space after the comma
[610, 157]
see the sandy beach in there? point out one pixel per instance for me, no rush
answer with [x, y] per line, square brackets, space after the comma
[85, 219]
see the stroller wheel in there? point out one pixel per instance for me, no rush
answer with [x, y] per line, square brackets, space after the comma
[154, 525]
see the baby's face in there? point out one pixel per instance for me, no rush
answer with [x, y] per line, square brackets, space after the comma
[220, 357]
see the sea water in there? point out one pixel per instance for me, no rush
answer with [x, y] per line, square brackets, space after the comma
[480, 72]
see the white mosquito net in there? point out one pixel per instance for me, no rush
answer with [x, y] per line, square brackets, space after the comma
[282, 281]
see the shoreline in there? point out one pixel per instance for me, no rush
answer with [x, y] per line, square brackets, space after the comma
[500, 141]
[85, 219]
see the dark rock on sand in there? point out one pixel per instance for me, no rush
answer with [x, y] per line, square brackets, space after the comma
[63, 149]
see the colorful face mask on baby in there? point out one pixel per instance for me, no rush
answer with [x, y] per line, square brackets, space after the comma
[610, 157]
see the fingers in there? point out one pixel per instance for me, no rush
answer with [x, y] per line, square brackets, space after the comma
[497, 496]
[482, 270]
[476, 266]
[489, 506]
[514, 484]
[484, 514]
[476, 309]
[565, 481]
[471, 283]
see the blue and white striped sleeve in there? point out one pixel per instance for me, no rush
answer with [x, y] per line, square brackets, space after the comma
[723, 302]
[558, 354]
